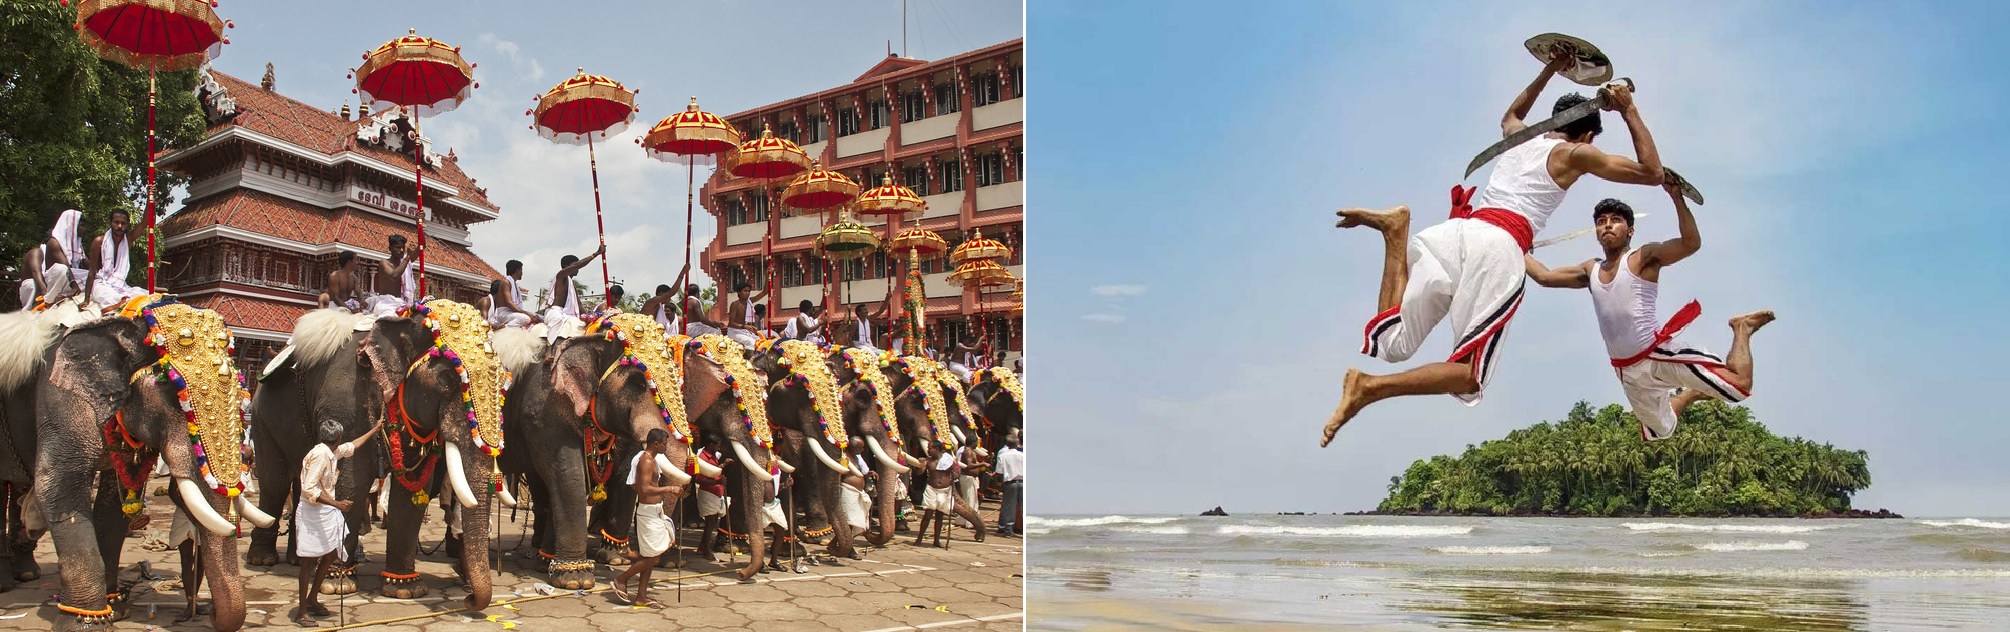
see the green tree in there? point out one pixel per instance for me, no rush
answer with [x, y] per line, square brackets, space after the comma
[73, 130]
[1593, 462]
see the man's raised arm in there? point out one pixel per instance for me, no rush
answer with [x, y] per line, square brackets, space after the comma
[1518, 110]
[1667, 253]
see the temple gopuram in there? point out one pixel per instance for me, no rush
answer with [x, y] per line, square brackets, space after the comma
[278, 188]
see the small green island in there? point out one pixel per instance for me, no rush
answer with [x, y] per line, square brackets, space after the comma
[1721, 462]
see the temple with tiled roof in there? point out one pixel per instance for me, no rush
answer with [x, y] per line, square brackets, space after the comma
[279, 188]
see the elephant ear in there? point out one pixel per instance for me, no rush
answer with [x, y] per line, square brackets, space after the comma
[94, 361]
[575, 370]
[391, 347]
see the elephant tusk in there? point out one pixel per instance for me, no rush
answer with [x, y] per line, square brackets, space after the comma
[817, 449]
[250, 512]
[707, 469]
[458, 477]
[880, 453]
[677, 476]
[784, 465]
[199, 509]
[747, 461]
[503, 495]
[959, 435]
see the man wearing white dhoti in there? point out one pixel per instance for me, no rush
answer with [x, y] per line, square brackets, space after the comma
[939, 500]
[561, 312]
[506, 302]
[58, 264]
[319, 529]
[743, 322]
[1652, 362]
[1469, 267]
[106, 284]
[395, 280]
[805, 326]
[653, 530]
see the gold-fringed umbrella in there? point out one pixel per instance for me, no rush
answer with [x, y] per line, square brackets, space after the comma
[699, 137]
[979, 247]
[573, 113]
[922, 241]
[153, 35]
[424, 76]
[767, 158]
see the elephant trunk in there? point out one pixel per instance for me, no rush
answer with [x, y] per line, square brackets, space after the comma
[884, 499]
[475, 530]
[226, 584]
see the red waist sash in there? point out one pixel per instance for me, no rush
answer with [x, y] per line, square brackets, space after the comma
[1510, 221]
[1668, 331]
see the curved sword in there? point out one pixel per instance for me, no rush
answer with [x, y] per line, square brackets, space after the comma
[1546, 126]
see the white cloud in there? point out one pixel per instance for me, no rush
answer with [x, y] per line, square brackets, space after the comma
[528, 69]
[1104, 317]
[1113, 291]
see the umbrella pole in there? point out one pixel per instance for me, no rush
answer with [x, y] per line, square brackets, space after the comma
[593, 164]
[419, 181]
[153, 263]
[690, 202]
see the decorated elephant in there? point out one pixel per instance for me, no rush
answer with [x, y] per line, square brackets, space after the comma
[26, 340]
[321, 376]
[580, 413]
[872, 417]
[999, 401]
[156, 381]
[444, 384]
[929, 407]
[806, 406]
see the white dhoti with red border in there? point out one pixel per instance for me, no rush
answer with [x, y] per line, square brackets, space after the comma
[1651, 377]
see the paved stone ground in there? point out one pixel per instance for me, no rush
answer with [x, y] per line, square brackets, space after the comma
[971, 586]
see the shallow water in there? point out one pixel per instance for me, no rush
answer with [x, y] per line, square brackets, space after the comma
[1386, 572]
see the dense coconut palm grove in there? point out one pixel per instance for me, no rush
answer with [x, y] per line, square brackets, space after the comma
[1593, 463]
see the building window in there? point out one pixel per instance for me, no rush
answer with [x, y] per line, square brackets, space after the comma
[912, 106]
[1019, 162]
[984, 89]
[876, 114]
[990, 169]
[792, 274]
[879, 265]
[915, 178]
[819, 128]
[945, 99]
[847, 121]
[952, 176]
[736, 213]
[789, 131]
[759, 203]
[1018, 80]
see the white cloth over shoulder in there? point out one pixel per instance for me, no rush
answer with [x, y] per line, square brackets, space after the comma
[114, 262]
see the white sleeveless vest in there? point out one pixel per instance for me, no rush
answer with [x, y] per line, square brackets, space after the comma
[1625, 310]
[1521, 183]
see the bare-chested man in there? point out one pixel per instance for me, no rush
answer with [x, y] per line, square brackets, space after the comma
[939, 501]
[742, 323]
[653, 530]
[111, 260]
[342, 286]
[393, 280]
[561, 312]
[1651, 362]
[1470, 266]
[49, 263]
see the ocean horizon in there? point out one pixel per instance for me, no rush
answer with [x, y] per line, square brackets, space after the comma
[1268, 571]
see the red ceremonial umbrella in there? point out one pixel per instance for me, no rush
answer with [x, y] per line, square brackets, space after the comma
[820, 188]
[155, 35]
[424, 76]
[572, 113]
[767, 158]
[895, 202]
[698, 136]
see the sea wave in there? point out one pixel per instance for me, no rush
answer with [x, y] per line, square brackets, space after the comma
[1491, 550]
[1727, 528]
[1966, 522]
[1150, 530]
[1983, 555]
[1725, 547]
[1057, 523]
[1349, 531]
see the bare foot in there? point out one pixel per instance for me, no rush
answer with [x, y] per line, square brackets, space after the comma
[1350, 403]
[1381, 220]
[1753, 321]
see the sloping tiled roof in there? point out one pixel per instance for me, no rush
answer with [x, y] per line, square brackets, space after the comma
[279, 116]
[251, 312]
[271, 215]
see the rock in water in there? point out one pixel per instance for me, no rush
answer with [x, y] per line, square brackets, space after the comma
[1216, 511]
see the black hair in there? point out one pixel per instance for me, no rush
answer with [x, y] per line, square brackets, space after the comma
[513, 267]
[692, 289]
[617, 290]
[741, 286]
[761, 308]
[655, 435]
[567, 261]
[344, 258]
[1610, 206]
[1592, 124]
[804, 306]
[495, 286]
[397, 240]
[663, 289]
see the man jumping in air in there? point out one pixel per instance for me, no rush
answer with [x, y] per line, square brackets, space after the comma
[1469, 266]
[1650, 361]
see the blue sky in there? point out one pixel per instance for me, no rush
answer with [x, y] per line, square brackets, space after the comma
[731, 54]
[1201, 309]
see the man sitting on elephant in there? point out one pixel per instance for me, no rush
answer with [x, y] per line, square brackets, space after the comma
[112, 261]
[54, 264]
[561, 314]
[319, 517]
[395, 273]
[342, 286]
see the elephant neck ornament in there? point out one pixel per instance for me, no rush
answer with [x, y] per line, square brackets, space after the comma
[952, 390]
[865, 367]
[809, 369]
